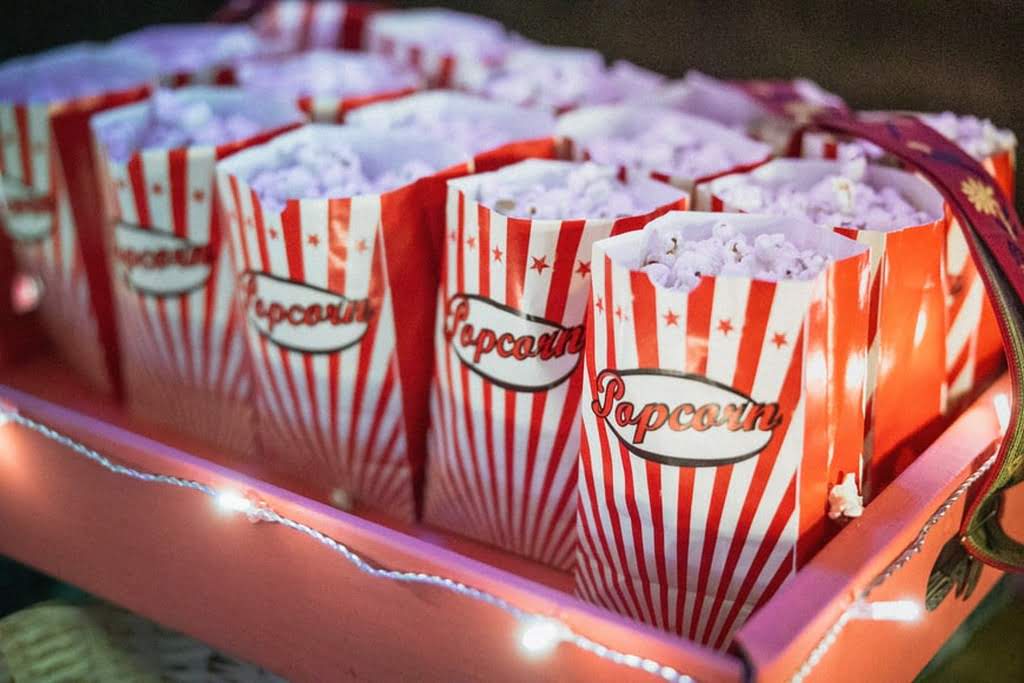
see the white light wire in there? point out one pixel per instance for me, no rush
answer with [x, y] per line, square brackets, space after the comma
[263, 513]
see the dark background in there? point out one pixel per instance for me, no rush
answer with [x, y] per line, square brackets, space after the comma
[927, 55]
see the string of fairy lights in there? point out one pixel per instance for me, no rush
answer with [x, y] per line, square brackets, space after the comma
[538, 635]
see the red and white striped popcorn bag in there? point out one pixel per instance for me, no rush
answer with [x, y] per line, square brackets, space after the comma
[437, 42]
[328, 84]
[494, 134]
[974, 346]
[325, 286]
[51, 196]
[295, 25]
[716, 422]
[584, 129]
[195, 54]
[907, 334]
[508, 343]
[184, 357]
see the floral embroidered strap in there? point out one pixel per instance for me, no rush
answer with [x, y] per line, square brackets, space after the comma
[993, 233]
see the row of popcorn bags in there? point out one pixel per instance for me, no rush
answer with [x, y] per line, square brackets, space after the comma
[338, 293]
[974, 345]
[51, 205]
[184, 361]
[508, 344]
[716, 422]
[907, 335]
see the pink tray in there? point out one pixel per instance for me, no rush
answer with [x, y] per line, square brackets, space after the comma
[276, 598]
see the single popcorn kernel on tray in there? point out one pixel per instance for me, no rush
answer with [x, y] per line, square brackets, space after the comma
[676, 263]
[173, 121]
[324, 169]
[587, 191]
[839, 200]
[667, 147]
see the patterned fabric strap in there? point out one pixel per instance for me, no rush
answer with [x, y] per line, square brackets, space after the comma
[993, 233]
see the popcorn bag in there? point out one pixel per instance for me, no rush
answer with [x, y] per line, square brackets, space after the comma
[437, 42]
[189, 54]
[325, 284]
[557, 79]
[328, 84]
[490, 134]
[184, 358]
[296, 25]
[508, 342]
[721, 425]
[905, 384]
[51, 201]
[741, 105]
[974, 346]
[673, 147]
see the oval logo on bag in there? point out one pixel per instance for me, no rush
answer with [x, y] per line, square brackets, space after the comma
[301, 317]
[158, 263]
[680, 419]
[28, 215]
[510, 348]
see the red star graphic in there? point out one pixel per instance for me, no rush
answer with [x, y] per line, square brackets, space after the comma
[671, 318]
[539, 264]
[725, 326]
[599, 306]
[249, 222]
[313, 240]
[361, 246]
[198, 195]
[583, 269]
[453, 237]
[779, 340]
[618, 312]
[471, 242]
[158, 188]
[497, 253]
[272, 233]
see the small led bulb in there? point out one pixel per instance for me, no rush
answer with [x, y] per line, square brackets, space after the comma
[539, 636]
[233, 501]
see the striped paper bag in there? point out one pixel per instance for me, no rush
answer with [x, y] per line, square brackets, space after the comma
[505, 400]
[184, 359]
[437, 42]
[907, 334]
[714, 422]
[974, 346]
[338, 297]
[51, 196]
[296, 25]
[328, 84]
[586, 128]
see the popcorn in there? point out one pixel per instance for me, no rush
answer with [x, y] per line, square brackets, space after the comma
[844, 500]
[670, 148]
[326, 169]
[978, 137]
[174, 121]
[327, 73]
[466, 122]
[187, 48]
[844, 199]
[674, 262]
[587, 191]
[72, 72]
[559, 78]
